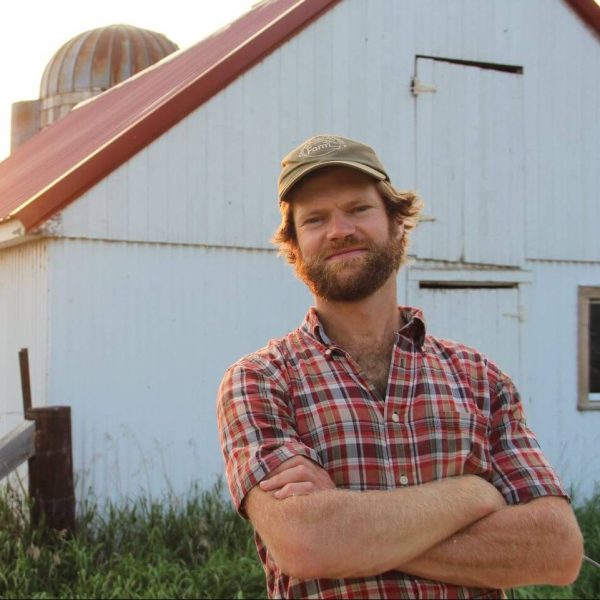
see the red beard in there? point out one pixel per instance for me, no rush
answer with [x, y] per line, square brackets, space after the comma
[354, 278]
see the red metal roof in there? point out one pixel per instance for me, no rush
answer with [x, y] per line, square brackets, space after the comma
[61, 162]
[589, 11]
[58, 164]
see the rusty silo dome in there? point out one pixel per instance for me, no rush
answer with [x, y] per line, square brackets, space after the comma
[94, 61]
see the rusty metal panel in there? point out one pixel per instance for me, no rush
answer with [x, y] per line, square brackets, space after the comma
[51, 486]
[25, 122]
[100, 58]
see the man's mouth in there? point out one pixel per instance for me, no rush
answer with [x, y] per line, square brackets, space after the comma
[345, 253]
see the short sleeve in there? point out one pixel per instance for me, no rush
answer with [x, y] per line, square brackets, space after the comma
[256, 424]
[521, 471]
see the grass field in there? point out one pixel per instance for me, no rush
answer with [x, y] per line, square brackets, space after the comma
[191, 548]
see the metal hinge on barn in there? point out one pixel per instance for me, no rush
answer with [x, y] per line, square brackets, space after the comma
[416, 87]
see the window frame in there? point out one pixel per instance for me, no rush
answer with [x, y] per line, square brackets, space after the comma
[586, 295]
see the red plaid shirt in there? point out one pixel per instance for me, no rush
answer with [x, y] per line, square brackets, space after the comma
[448, 411]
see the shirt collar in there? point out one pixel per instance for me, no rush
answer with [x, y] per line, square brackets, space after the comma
[413, 328]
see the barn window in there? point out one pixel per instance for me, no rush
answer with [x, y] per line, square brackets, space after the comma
[589, 348]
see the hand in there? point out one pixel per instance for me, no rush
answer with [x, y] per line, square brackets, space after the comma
[297, 476]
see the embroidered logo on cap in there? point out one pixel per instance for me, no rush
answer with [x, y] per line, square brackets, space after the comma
[320, 146]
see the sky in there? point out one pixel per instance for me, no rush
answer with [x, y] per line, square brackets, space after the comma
[31, 32]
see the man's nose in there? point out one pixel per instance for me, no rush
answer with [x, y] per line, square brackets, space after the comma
[340, 226]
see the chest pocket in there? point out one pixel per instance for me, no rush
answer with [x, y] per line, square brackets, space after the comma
[446, 445]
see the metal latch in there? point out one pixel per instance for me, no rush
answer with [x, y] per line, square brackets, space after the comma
[416, 87]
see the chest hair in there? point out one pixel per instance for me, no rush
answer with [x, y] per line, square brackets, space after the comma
[375, 366]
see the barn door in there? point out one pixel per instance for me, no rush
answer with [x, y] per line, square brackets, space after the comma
[469, 163]
[485, 317]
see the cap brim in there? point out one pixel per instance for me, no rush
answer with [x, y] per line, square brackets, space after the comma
[340, 163]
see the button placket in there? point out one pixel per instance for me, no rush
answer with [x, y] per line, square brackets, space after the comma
[398, 413]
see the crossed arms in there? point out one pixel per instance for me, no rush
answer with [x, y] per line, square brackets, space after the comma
[457, 530]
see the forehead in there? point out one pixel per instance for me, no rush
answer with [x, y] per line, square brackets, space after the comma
[333, 185]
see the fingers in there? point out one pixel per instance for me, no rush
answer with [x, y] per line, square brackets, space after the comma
[295, 489]
[297, 476]
[293, 462]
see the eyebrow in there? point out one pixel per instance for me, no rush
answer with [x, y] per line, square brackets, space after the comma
[348, 204]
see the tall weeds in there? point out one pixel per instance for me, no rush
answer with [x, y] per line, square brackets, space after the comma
[196, 547]
[192, 548]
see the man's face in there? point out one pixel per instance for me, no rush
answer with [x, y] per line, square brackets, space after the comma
[347, 246]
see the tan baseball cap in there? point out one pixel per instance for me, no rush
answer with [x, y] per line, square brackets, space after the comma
[327, 151]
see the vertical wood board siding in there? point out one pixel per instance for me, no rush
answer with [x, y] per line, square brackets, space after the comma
[486, 319]
[570, 438]
[469, 150]
[142, 332]
[211, 179]
[141, 337]
[23, 324]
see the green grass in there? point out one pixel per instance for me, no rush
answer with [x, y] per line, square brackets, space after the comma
[588, 582]
[196, 547]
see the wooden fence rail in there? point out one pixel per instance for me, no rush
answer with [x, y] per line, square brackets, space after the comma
[16, 447]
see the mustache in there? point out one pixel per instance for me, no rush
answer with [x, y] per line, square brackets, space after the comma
[348, 242]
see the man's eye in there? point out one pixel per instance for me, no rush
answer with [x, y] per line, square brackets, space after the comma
[312, 220]
[362, 208]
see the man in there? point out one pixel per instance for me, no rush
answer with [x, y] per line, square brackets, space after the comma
[374, 460]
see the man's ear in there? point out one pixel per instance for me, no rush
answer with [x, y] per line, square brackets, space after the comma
[399, 226]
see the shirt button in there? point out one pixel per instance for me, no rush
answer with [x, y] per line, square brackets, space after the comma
[403, 479]
[395, 417]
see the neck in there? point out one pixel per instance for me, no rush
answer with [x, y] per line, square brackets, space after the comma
[371, 321]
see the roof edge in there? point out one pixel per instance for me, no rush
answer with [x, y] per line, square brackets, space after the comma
[12, 233]
[589, 11]
[168, 113]
[11, 229]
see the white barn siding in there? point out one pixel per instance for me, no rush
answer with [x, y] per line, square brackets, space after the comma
[201, 203]
[224, 192]
[141, 337]
[469, 149]
[350, 72]
[570, 438]
[23, 324]
[487, 318]
[563, 151]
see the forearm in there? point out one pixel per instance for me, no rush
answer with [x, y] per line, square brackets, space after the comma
[341, 533]
[533, 543]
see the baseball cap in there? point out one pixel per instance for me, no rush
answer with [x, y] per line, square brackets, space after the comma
[327, 151]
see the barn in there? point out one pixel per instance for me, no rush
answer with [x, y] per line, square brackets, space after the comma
[135, 261]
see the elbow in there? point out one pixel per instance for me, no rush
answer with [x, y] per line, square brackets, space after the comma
[569, 552]
[299, 567]
[306, 560]
[300, 558]
[308, 553]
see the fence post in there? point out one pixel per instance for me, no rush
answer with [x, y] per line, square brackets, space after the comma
[51, 468]
[25, 381]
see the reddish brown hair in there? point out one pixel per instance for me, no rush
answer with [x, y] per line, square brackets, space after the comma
[404, 206]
